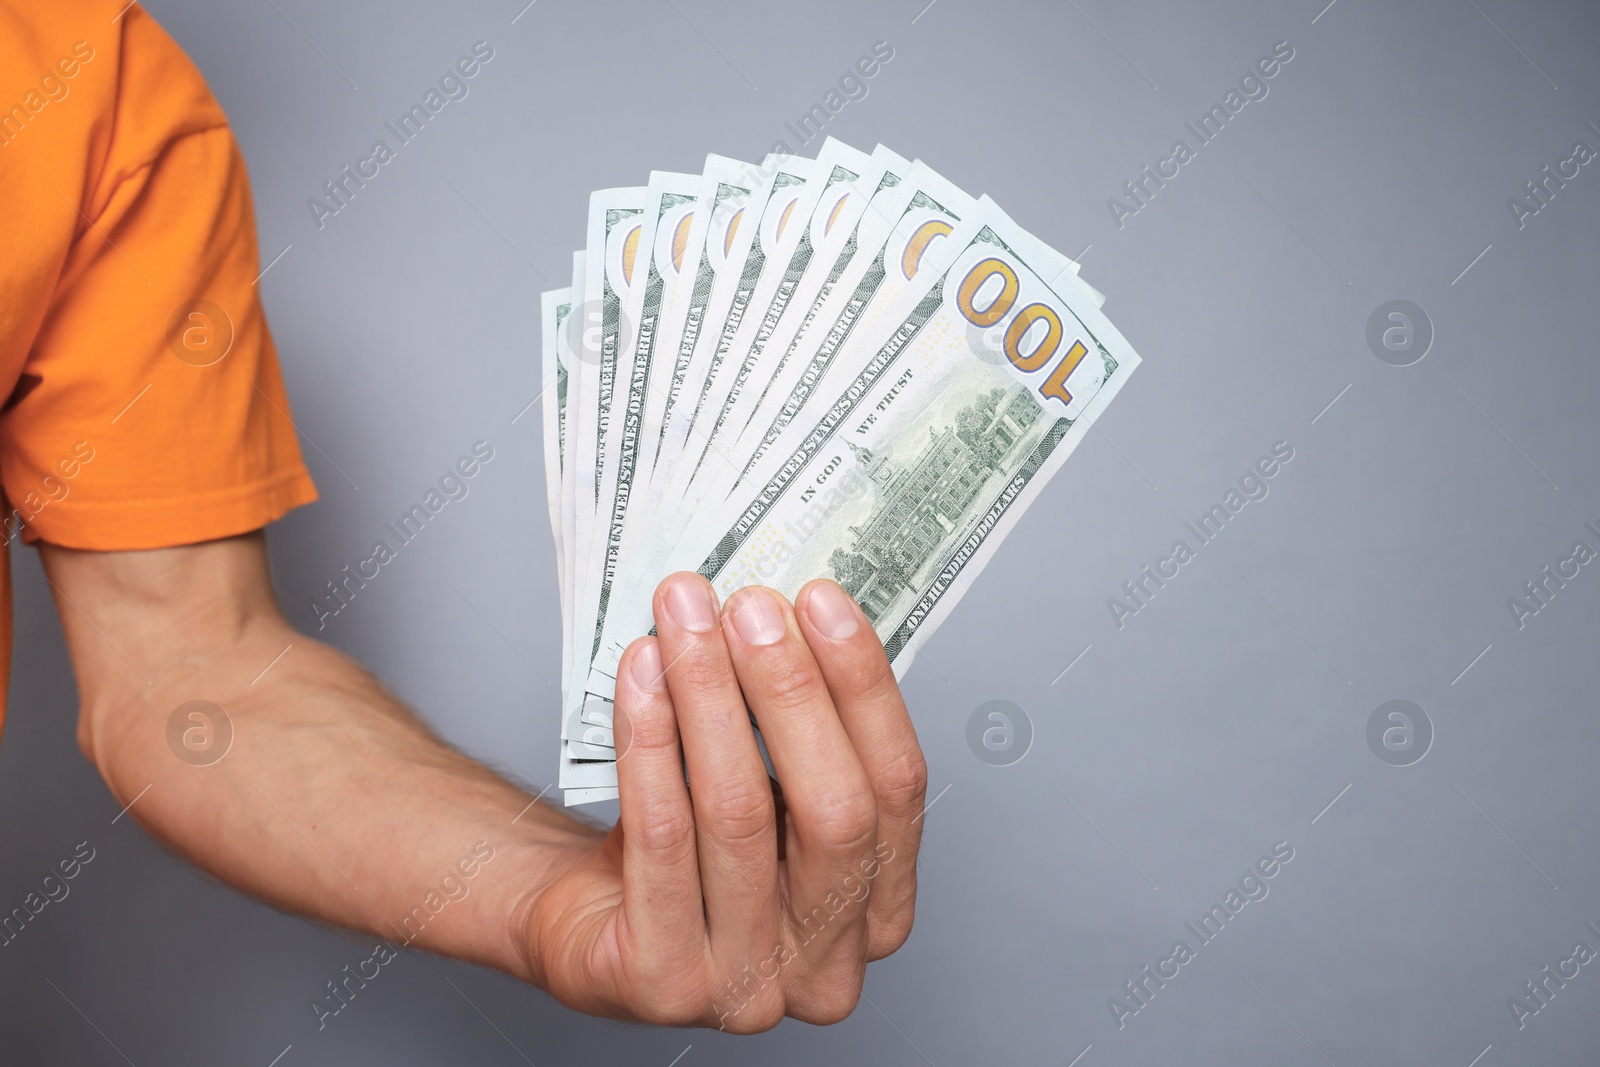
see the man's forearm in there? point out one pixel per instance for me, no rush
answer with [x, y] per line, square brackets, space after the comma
[332, 801]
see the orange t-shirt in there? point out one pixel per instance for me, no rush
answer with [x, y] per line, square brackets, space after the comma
[142, 405]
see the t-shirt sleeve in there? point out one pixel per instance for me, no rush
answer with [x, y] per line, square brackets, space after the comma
[151, 411]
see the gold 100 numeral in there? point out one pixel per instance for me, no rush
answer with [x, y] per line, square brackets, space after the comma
[1021, 323]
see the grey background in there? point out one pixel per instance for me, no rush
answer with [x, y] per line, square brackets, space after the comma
[1223, 718]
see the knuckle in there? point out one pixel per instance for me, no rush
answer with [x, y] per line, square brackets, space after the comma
[879, 689]
[665, 832]
[700, 670]
[838, 1005]
[867, 674]
[844, 818]
[902, 781]
[652, 726]
[790, 683]
[754, 1018]
[830, 1002]
[894, 930]
[740, 815]
[670, 1002]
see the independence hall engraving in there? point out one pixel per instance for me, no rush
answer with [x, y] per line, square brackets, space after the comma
[920, 503]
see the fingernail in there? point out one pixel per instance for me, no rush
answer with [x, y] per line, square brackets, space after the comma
[647, 673]
[832, 612]
[690, 605]
[757, 617]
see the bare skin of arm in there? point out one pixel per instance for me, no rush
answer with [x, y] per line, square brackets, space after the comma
[336, 802]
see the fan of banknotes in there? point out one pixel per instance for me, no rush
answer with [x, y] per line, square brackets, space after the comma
[842, 367]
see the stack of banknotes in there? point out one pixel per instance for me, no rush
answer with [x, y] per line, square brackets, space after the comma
[837, 367]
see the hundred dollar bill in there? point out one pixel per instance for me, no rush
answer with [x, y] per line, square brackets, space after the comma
[569, 521]
[555, 306]
[673, 259]
[925, 458]
[620, 227]
[567, 545]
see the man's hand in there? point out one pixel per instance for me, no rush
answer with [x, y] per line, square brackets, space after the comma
[710, 903]
[336, 802]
